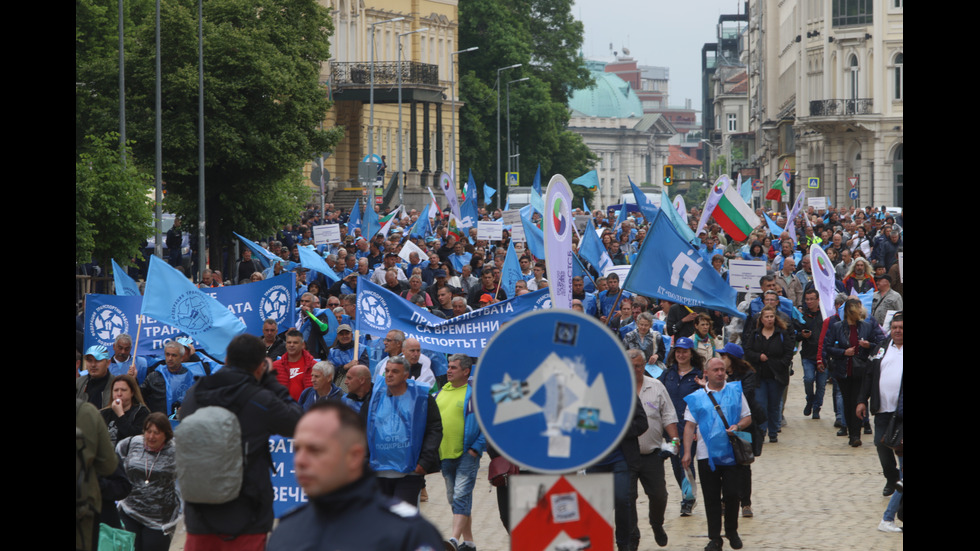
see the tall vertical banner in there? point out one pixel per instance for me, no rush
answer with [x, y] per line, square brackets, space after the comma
[558, 241]
[449, 190]
[823, 279]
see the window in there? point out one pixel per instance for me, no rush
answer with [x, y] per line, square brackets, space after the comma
[852, 12]
[853, 70]
[732, 122]
[899, 76]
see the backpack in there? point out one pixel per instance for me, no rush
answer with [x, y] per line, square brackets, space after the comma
[210, 454]
[83, 472]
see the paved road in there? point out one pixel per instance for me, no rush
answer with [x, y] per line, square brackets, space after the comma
[810, 491]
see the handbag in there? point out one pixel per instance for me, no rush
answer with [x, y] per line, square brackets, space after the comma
[741, 441]
[500, 469]
[893, 436]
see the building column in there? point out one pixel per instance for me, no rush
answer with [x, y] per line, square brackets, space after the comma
[426, 142]
[439, 158]
[413, 140]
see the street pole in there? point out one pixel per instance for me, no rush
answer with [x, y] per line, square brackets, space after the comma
[509, 156]
[201, 241]
[401, 183]
[452, 90]
[497, 162]
[371, 89]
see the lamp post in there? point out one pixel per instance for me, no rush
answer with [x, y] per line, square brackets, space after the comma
[401, 183]
[497, 164]
[452, 90]
[371, 91]
[508, 119]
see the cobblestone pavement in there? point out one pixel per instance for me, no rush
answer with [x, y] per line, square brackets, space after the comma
[810, 491]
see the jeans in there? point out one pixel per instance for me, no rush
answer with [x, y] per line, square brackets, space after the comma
[892, 508]
[767, 396]
[814, 397]
[460, 475]
[838, 403]
[625, 510]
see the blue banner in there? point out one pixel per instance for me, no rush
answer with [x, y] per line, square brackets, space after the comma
[354, 220]
[668, 268]
[380, 311]
[287, 494]
[107, 316]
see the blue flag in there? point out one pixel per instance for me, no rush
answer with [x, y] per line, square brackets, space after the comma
[370, 224]
[470, 190]
[511, 271]
[172, 298]
[488, 192]
[266, 258]
[668, 268]
[532, 233]
[468, 210]
[647, 208]
[680, 226]
[589, 180]
[585, 206]
[310, 260]
[773, 228]
[623, 215]
[354, 220]
[746, 192]
[125, 285]
[591, 249]
[422, 228]
[537, 201]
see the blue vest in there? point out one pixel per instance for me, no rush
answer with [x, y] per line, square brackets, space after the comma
[177, 385]
[396, 427]
[713, 430]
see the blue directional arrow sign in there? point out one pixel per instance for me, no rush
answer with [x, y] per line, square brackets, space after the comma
[853, 194]
[554, 391]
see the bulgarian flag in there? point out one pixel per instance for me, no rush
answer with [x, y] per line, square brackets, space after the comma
[454, 228]
[778, 188]
[386, 221]
[731, 212]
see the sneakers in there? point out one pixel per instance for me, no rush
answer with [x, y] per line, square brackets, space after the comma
[660, 535]
[747, 512]
[888, 526]
[451, 544]
[842, 431]
[867, 429]
[734, 540]
[686, 508]
[466, 547]
[773, 439]
[816, 413]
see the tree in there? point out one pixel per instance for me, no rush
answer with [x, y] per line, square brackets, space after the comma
[543, 36]
[113, 214]
[263, 105]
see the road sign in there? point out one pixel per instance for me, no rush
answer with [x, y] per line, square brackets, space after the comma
[513, 178]
[853, 194]
[554, 391]
[853, 180]
[813, 183]
[786, 165]
[555, 512]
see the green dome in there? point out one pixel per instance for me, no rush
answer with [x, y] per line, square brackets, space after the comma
[610, 97]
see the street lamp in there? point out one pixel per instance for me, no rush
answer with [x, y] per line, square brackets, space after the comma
[401, 184]
[371, 92]
[497, 164]
[508, 118]
[452, 90]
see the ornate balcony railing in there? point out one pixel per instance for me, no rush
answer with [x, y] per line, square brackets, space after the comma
[358, 73]
[840, 107]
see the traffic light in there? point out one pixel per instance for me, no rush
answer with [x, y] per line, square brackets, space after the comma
[668, 175]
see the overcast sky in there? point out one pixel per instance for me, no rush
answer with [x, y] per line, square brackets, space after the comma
[662, 33]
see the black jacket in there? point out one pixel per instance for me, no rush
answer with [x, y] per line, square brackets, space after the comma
[779, 353]
[356, 516]
[268, 410]
[869, 386]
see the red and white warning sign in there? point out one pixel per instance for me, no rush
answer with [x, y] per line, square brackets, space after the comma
[561, 514]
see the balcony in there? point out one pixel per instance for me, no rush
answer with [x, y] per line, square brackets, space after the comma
[841, 107]
[352, 81]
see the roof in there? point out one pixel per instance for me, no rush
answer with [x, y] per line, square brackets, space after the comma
[610, 97]
[677, 157]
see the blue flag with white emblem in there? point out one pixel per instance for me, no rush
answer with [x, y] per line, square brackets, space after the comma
[172, 298]
[354, 220]
[668, 268]
[125, 285]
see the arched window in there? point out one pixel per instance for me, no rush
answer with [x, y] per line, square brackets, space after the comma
[899, 77]
[852, 84]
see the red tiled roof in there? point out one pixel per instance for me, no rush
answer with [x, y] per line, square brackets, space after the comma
[677, 157]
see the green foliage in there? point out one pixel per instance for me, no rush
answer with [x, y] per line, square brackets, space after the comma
[113, 214]
[543, 36]
[263, 104]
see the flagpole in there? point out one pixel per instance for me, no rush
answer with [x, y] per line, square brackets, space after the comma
[613, 309]
[584, 269]
[139, 325]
